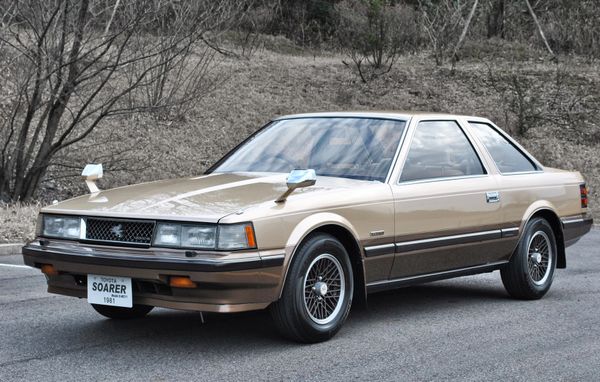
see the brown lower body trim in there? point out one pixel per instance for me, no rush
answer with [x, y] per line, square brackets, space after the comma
[441, 241]
[424, 278]
[575, 227]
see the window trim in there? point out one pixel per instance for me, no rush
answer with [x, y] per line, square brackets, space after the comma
[469, 139]
[538, 167]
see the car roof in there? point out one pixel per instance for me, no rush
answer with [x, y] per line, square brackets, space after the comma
[404, 115]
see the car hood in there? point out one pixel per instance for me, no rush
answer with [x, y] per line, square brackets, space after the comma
[207, 198]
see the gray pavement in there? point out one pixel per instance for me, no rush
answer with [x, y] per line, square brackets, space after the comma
[461, 329]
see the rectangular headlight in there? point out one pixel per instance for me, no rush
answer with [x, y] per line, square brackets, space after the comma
[168, 234]
[205, 236]
[67, 227]
[195, 236]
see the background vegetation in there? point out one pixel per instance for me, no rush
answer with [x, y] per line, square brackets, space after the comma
[158, 89]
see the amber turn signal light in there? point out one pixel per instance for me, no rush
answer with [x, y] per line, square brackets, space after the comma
[250, 236]
[49, 270]
[181, 282]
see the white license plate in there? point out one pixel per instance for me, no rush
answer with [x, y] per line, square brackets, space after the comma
[109, 290]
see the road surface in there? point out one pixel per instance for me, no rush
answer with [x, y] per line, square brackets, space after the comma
[461, 329]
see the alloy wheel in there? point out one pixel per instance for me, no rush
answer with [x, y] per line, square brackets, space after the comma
[324, 288]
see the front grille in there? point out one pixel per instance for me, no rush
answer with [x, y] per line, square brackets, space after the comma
[119, 231]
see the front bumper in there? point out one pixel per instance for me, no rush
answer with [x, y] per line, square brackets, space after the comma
[227, 282]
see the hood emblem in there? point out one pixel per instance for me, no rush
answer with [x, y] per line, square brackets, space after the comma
[117, 230]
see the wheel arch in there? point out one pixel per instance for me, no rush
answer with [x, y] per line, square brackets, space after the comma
[548, 213]
[342, 230]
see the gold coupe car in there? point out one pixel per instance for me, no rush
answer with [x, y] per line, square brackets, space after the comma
[314, 211]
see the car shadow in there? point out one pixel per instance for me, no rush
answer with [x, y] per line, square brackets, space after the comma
[172, 328]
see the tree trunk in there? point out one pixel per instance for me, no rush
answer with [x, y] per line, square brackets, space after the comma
[461, 39]
[539, 27]
[495, 20]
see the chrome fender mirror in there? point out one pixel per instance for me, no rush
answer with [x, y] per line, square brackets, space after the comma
[91, 173]
[298, 179]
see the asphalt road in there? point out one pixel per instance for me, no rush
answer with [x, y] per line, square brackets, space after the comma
[462, 329]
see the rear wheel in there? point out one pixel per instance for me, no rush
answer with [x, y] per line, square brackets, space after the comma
[121, 313]
[530, 271]
[318, 291]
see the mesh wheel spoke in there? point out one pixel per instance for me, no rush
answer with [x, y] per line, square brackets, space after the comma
[539, 259]
[324, 286]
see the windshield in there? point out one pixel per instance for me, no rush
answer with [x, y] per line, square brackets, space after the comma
[356, 148]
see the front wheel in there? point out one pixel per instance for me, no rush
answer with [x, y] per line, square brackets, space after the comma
[529, 273]
[318, 291]
[121, 313]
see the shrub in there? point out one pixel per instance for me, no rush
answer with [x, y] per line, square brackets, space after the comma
[373, 33]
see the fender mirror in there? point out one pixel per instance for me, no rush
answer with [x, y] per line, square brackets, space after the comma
[91, 173]
[298, 179]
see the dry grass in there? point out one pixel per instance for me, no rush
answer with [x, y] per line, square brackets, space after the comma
[17, 222]
[273, 83]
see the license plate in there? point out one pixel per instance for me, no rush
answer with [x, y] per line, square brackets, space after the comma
[109, 290]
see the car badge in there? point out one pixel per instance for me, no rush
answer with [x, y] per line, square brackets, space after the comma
[117, 230]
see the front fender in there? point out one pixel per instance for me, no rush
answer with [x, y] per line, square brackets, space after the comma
[308, 225]
[312, 222]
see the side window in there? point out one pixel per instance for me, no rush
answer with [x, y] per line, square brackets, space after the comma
[440, 149]
[507, 157]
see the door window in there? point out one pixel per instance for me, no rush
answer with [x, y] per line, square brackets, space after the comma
[440, 149]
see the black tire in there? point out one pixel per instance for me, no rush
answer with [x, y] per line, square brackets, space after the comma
[519, 276]
[293, 318]
[120, 313]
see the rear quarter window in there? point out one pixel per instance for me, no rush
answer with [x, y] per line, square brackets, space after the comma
[507, 157]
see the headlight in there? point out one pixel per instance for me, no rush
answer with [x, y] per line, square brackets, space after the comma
[168, 234]
[204, 236]
[67, 227]
[198, 236]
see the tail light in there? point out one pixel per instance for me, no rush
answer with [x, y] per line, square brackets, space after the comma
[584, 192]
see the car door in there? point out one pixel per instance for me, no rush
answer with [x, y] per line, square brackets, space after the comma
[446, 203]
[521, 180]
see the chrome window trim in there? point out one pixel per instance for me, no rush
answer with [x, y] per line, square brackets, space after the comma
[521, 173]
[467, 135]
[442, 179]
[398, 149]
[539, 167]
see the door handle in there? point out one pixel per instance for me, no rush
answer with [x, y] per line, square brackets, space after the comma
[492, 197]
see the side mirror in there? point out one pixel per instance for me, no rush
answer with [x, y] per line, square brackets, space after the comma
[298, 179]
[91, 173]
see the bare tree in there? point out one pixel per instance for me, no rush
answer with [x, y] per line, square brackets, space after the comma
[441, 21]
[539, 28]
[373, 33]
[461, 39]
[67, 65]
